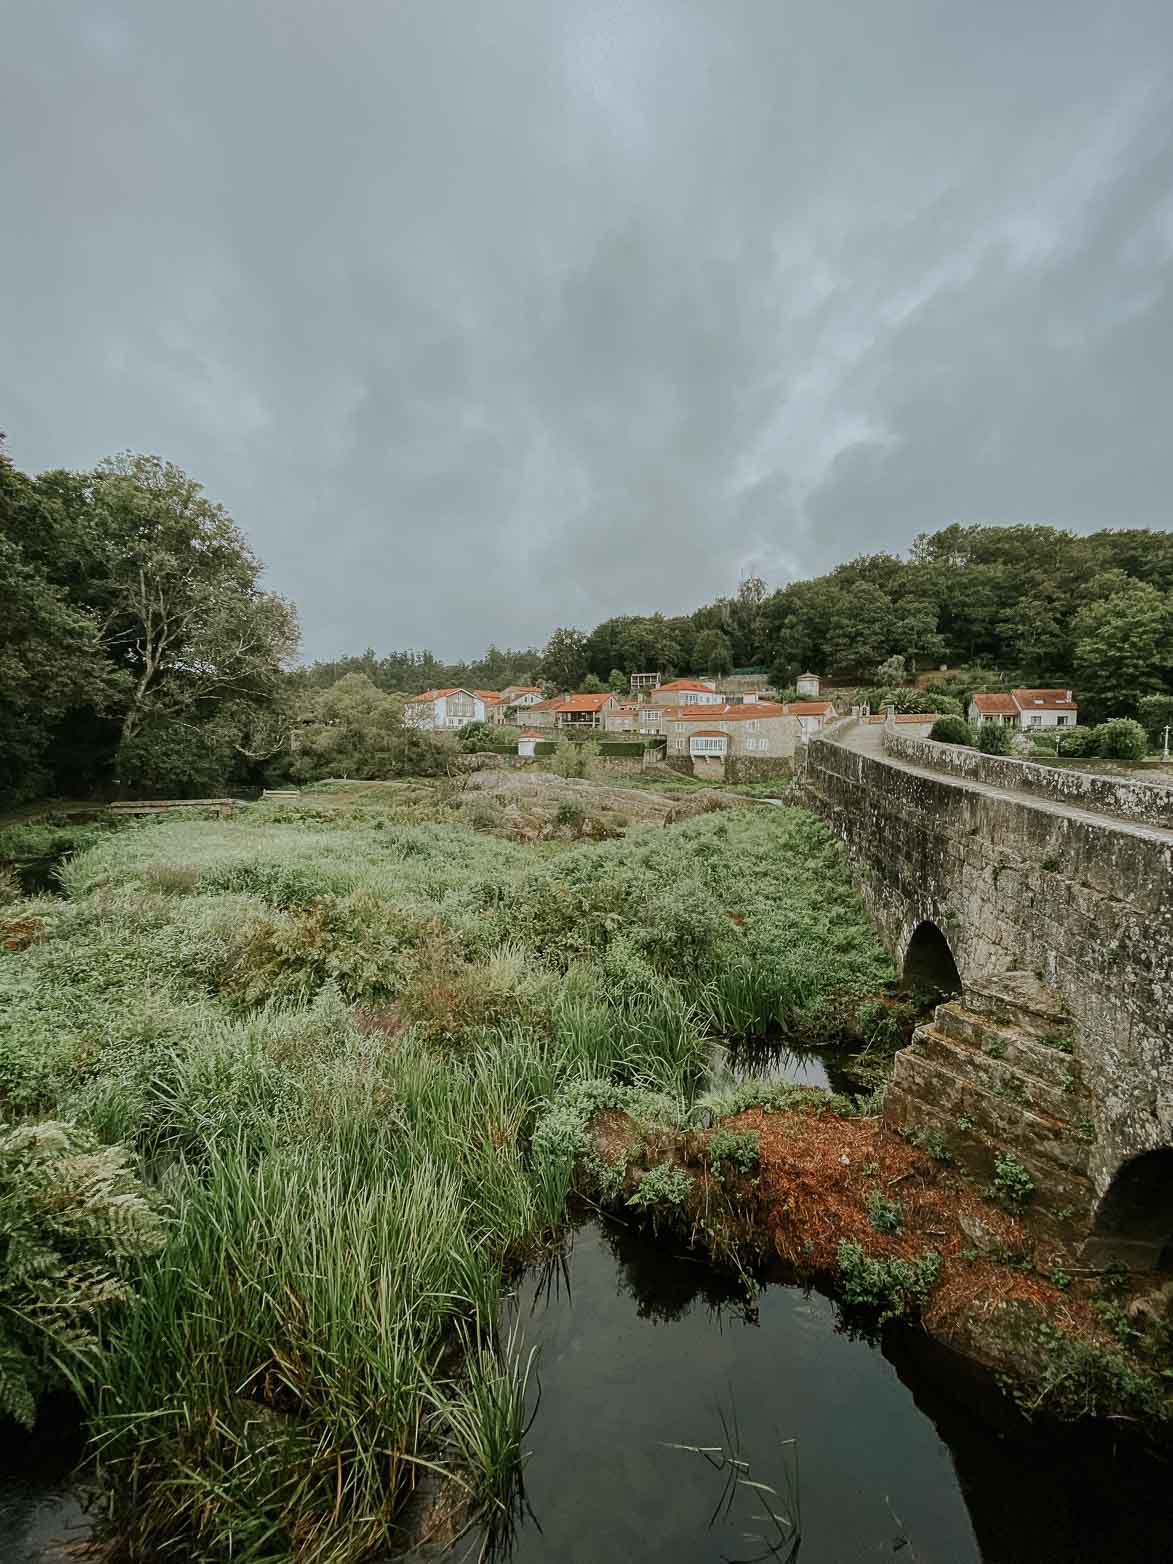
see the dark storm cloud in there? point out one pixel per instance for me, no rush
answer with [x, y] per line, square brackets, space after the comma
[486, 317]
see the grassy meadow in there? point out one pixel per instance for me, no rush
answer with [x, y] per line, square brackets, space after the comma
[293, 1075]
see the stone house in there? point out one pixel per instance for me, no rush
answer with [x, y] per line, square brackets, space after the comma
[1025, 708]
[807, 685]
[632, 717]
[710, 735]
[541, 715]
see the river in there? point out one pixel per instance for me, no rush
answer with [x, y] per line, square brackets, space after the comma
[867, 1449]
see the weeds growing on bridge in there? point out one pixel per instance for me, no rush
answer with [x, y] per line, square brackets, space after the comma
[326, 1042]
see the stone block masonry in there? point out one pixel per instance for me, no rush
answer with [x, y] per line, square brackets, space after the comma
[1083, 903]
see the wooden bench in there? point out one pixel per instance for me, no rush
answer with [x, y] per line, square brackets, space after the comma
[157, 806]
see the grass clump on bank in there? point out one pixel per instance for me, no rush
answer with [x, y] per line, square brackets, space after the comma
[331, 1046]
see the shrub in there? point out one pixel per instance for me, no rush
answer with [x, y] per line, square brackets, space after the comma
[951, 730]
[71, 1215]
[886, 1216]
[995, 738]
[1078, 741]
[742, 1148]
[663, 1185]
[1011, 1179]
[906, 698]
[889, 1288]
[1121, 739]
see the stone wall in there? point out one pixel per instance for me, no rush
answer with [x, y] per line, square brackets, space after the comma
[1085, 905]
[1145, 803]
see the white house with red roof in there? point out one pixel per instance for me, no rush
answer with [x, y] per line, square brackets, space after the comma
[584, 710]
[445, 710]
[812, 715]
[687, 692]
[1025, 708]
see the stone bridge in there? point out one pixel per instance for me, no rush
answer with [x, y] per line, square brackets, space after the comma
[1043, 898]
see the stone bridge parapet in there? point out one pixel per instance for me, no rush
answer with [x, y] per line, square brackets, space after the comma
[1143, 803]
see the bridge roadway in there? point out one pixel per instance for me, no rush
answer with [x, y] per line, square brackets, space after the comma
[868, 739]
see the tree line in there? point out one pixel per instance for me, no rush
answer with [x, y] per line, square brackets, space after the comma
[139, 651]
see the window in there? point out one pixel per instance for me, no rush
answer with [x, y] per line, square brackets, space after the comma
[707, 746]
[752, 725]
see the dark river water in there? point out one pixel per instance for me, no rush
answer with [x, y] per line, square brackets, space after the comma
[864, 1450]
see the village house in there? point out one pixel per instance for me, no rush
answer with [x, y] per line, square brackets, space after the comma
[445, 710]
[630, 717]
[807, 685]
[759, 731]
[541, 715]
[578, 712]
[521, 695]
[687, 692]
[1025, 708]
[812, 715]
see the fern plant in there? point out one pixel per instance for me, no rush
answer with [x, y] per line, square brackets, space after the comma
[72, 1214]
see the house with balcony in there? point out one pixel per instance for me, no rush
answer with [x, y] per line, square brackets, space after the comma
[1026, 709]
[439, 711]
[644, 718]
[582, 712]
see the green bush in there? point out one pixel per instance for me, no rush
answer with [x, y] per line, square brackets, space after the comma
[1011, 1180]
[995, 738]
[907, 698]
[886, 1216]
[741, 1148]
[1121, 739]
[71, 1216]
[889, 1288]
[951, 730]
[1078, 742]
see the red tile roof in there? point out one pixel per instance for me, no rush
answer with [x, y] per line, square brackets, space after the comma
[1055, 700]
[725, 713]
[583, 702]
[808, 708]
[688, 684]
[995, 704]
[708, 733]
[434, 695]
[531, 733]
[492, 696]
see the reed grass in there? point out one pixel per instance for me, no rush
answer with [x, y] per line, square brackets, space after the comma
[356, 1057]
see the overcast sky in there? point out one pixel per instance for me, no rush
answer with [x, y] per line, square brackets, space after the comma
[484, 316]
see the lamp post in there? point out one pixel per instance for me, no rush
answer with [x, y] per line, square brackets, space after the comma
[1166, 741]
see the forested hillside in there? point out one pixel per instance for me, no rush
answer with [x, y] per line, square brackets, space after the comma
[138, 650]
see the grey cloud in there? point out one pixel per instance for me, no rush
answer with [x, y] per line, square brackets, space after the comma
[483, 318]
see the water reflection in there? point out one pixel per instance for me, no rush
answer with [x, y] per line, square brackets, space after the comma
[647, 1359]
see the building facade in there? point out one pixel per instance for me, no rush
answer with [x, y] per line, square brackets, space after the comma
[1025, 708]
[687, 692]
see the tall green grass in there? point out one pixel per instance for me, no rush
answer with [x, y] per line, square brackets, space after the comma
[342, 1052]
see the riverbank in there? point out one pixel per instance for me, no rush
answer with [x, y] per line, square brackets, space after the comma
[794, 1175]
[311, 1045]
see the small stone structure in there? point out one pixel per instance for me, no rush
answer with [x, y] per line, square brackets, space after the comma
[1079, 904]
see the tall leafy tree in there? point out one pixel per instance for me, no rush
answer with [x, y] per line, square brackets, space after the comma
[182, 614]
[1123, 639]
[564, 661]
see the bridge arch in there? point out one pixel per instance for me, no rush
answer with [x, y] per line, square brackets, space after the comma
[1137, 1208]
[929, 961]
